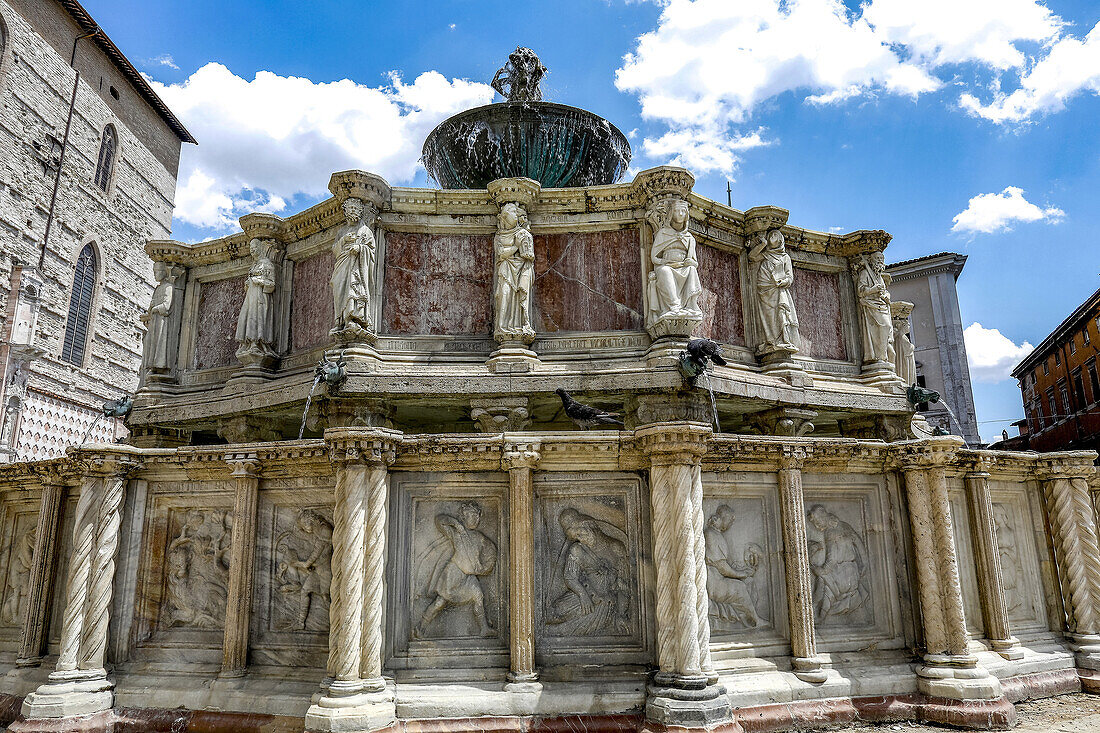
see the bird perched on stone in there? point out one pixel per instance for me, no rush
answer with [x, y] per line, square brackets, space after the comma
[700, 350]
[584, 416]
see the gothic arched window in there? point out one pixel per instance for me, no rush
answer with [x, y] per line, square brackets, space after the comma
[80, 308]
[108, 148]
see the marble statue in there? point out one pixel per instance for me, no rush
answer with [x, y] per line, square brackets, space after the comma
[729, 582]
[354, 252]
[839, 565]
[156, 320]
[255, 325]
[305, 579]
[591, 588]
[197, 569]
[519, 80]
[905, 360]
[775, 302]
[462, 556]
[874, 305]
[674, 286]
[19, 570]
[515, 272]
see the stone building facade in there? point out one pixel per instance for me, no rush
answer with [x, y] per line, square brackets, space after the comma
[1060, 384]
[88, 164]
[937, 334]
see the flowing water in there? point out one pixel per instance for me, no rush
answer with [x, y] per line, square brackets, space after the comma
[713, 404]
[309, 401]
[952, 418]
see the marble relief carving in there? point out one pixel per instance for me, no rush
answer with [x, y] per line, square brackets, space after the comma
[452, 575]
[1011, 572]
[197, 569]
[354, 252]
[774, 298]
[514, 248]
[16, 588]
[733, 562]
[590, 585]
[303, 572]
[674, 286]
[255, 324]
[840, 567]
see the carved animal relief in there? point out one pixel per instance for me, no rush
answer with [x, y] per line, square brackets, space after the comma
[197, 569]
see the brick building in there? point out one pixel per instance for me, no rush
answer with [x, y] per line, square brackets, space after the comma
[88, 162]
[937, 334]
[1060, 384]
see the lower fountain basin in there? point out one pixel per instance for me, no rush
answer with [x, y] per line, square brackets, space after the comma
[557, 145]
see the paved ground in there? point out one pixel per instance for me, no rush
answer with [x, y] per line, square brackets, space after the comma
[1077, 713]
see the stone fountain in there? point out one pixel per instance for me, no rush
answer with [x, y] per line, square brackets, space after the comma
[443, 549]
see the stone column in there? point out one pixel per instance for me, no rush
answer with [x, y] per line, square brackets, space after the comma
[43, 562]
[1077, 553]
[354, 695]
[520, 460]
[948, 670]
[242, 553]
[987, 558]
[683, 692]
[79, 684]
[796, 560]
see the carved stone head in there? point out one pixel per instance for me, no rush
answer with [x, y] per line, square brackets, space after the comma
[511, 215]
[471, 515]
[821, 518]
[669, 212]
[723, 518]
[877, 261]
[353, 210]
[776, 240]
[160, 271]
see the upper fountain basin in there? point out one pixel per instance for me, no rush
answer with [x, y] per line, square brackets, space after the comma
[555, 144]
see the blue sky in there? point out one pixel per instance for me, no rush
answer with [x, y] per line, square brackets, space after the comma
[963, 125]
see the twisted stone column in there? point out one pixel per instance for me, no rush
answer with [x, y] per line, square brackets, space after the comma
[948, 670]
[987, 557]
[79, 684]
[796, 560]
[1077, 551]
[43, 561]
[520, 460]
[355, 696]
[245, 470]
[683, 691]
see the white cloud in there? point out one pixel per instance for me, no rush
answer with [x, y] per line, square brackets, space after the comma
[699, 151]
[264, 141]
[1071, 67]
[991, 354]
[165, 60]
[996, 212]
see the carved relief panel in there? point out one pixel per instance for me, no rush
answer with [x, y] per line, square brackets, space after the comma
[591, 582]
[1016, 547]
[851, 532]
[17, 536]
[61, 572]
[448, 571]
[293, 574]
[184, 575]
[964, 552]
[744, 560]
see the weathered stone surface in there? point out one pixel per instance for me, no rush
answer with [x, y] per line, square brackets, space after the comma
[817, 299]
[588, 282]
[311, 314]
[723, 320]
[437, 284]
[220, 302]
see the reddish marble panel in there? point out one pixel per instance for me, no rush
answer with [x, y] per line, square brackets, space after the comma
[720, 274]
[311, 314]
[438, 284]
[220, 304]
[817, 300]
[588, 282]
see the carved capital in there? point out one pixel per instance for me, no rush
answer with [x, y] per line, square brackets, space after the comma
[500, 414]
[859, 242]
[243, 465]
[263, 226]
[663, 182]
[674, 442]
[931, 453]
[900, 310]
[787, 421]
[760, 219]
[361, 185]
[376, 446]
[522, 191]
[794, 456]
[1067, 465]
[168, 250]
[520, 455]
[107, 464]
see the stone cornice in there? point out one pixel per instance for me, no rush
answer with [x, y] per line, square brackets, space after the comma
[662, 182]
[521, 191]
[1066, 465]
[376, 446]
[673, 439]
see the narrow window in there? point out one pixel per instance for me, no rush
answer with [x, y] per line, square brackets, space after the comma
[1053, 405]
[1085, 335]
[80, 308]
[1067, 410]
[1073, 345]
[1078, 387]
[1058, 358]
[1094, 381]
[1046, 368]
[107, 149]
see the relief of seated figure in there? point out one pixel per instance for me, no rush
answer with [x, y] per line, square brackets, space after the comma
[730, 584]
[839, 565]
[591, 587]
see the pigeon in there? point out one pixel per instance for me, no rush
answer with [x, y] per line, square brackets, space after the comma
[700, 350]
[584, 416]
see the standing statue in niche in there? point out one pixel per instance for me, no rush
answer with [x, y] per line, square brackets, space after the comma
[775, 302]
[515, 272]
[519, 80]
[729, 582]
[156, 320]
[308, 578]
[591, 588]
[674, 286]
[355, 252]
[197, 571]
[905, 358]
[18, 581]
[255, 326]
[838, 562]
[463, 555]
[874, 304]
